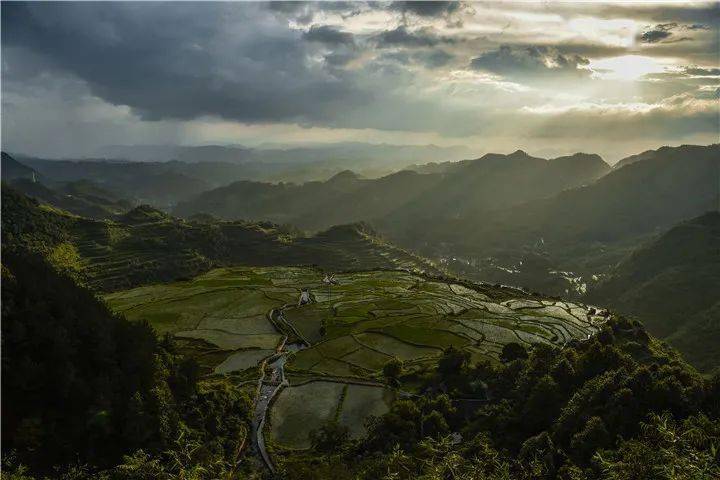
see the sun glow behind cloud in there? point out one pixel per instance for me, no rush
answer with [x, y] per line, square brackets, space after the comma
[629, 67]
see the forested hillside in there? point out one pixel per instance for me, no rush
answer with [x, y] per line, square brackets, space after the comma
[672, 285]
[85, 390]
[578, 233]
[147, 246]
[645, 196]
[617, 406]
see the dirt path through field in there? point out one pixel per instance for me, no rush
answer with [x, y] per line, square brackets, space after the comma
[272, 380]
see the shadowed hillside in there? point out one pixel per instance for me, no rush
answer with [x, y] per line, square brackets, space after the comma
[490, 182]
[81, 197]
[672, 285]
[584, 230]
[645, 196]
[12, 169]
[148, 246]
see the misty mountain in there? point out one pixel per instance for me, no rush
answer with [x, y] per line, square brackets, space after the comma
[345, 197]
[672, 285]
[405, 196]
[634, 158]
[12, 169]
[165, 175]
[161, 184]
[81, 198]
[641, 198]
[166, 153]
[496, 181]
[360, 156]
[283, 164]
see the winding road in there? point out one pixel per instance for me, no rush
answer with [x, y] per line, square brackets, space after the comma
[272, 380]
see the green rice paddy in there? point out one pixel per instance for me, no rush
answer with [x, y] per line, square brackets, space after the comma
[352, 329]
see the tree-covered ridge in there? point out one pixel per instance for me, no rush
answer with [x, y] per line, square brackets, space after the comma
[620, 406]
[80, 197]
[12, 169]
[83, 387]
[672, 284]
[148, 246]
[490, 182]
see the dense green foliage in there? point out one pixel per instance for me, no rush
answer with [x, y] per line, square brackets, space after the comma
[672, 285]
[82, 386]
[619, 406]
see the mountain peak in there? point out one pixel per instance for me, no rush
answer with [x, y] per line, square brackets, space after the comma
[580, 158]
[344, 176]
[143, 214]
[348, 231]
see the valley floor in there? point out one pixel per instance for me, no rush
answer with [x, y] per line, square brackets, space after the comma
[323, 361]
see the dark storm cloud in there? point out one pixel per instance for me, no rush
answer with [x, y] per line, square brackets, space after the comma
[707, 13]
[184, 62]
[434, 58]
[403, 37]
[76, 74]
[427, 9]
[530, 60]
[678, 13]
[301, 12]
[706, 72]
[340, 59]
[329, 35]
[304, 12]
[427, 58]
[658, 33]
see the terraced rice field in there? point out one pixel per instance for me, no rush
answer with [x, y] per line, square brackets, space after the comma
[303, 408]
[351, 330]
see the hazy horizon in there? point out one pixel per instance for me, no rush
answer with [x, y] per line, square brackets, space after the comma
[550, 79]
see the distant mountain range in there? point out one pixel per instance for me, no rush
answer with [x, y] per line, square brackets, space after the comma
[560, 244]
[490, 182]
[146, 245]
[645, 196]
[569, 226]
[165, 175]
[12, 169]
[356, 155]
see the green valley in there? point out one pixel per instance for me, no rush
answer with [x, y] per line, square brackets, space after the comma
[333, 350]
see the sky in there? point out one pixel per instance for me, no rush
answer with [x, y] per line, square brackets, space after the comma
[550, 78]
